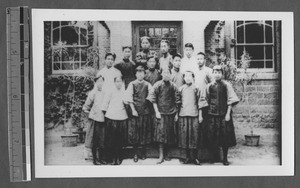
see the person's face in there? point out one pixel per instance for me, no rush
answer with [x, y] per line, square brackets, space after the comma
[222, 57]
[188, 52]
[99, 84]
[109, 61]
[127, 53]
[177, 62]
[164, 47]
[217, 75]
[200, 60]
[140, 75]
[119, 83]
[151, 63]
[145, 44]
[188, 77]
[166, 75]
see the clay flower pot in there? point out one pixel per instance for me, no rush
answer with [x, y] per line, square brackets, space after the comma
[252, 139]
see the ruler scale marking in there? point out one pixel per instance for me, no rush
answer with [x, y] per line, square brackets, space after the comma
[18, 93]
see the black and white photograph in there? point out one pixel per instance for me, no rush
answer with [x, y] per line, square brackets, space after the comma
[169, 93]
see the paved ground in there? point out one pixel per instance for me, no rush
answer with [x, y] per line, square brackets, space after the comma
[266, 153]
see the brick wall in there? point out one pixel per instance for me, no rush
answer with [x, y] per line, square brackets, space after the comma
[260, 104]
[214, 34]
[103, 41]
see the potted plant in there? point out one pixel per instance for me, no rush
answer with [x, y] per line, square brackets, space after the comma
[237, 74]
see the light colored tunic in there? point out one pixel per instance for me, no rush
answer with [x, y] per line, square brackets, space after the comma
[109, 75]
[113, 104]
[188, 96]
[189, 64]
[93, 105]
[165, 62]
[203, 77]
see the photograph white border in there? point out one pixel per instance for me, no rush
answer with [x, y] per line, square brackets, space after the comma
[287, 89]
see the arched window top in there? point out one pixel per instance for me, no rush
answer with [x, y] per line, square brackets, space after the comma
[259, 23]
[66, 33]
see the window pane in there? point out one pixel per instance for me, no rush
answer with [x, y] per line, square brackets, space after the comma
[83, 36]
[269, 52]
[158, 32]
[255, 52]
[269, 23]
[256, 64]
[254, 33]
[269, 34]
[173, 32]
[151, 32]
[83, 64]
[142, 32]
[156, 43]
[70, 54]
[55, 38]
[69, 35]
[240, 34]
[83, 54]
[173, 43]
[56, 55]
[239, 50]
[76, 66]
[56, 66]
[269, 64]
[55, 24]
[165, 32]
[239, 23]
[67, 66]
[64, 23]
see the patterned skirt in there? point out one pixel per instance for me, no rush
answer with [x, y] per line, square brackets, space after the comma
[140, 130]
[115, 133]
[188, 132]
[164, 129]
[218, 132]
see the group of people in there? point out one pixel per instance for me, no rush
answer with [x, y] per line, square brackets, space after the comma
[166, 102]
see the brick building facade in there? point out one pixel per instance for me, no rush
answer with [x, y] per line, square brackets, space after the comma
[261, 99]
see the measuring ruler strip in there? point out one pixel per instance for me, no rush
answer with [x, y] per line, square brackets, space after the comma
[18, 72]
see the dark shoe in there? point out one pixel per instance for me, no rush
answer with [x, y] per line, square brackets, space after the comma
[196, 162]
[225, 162]
[96, 162]
[187, 161]
[102, 162]
[167, 158]
[119, 161]
[135, 158]
[160, 161]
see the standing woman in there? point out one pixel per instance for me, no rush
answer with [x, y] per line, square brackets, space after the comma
[142, 56]
[96, 127]
[163, 97]
[116, 124]
[126, 66]
[188, 124]
[140, 124]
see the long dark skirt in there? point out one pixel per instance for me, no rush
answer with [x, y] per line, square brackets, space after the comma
[115, 133]
[140, 130]
[219, 133]
[188, 132]
[99, 135]
[164, 129]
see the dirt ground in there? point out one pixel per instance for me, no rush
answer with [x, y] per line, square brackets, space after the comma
[267, 153]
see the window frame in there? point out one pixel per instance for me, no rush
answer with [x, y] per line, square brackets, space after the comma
[139, 24]
[61, 71]
[264, 44]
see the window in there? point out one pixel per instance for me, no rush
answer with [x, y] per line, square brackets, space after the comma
[257, 39]
[157, 31]
[69, 42]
